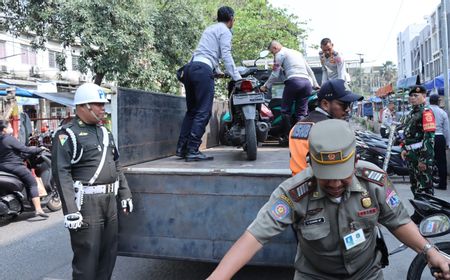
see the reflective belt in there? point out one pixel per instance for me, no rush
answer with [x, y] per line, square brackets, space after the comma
[98, 189]
[414, 146]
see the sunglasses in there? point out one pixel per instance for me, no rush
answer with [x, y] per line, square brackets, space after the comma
[344, 105]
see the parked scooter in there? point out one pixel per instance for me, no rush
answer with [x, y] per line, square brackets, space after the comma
[243, 126]
[433, 214]
[12, 203]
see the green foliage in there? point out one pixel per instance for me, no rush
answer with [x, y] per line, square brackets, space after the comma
[141, 43]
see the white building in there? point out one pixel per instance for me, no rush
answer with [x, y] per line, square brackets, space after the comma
[405, 45]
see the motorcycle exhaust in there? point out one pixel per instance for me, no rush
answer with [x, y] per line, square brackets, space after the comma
[262, 130]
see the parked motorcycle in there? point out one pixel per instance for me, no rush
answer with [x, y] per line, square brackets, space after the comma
[434, 214]
[243, 126]
[13, 203]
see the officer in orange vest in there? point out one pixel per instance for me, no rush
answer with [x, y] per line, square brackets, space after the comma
[335, 99]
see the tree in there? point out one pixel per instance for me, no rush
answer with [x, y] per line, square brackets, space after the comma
[388, 72]
[110, 33]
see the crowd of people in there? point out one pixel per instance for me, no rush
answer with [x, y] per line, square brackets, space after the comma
[331, 201]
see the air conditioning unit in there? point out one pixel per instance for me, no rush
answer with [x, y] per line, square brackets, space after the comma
[34, 71]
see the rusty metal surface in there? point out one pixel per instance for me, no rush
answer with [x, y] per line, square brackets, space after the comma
[195, 211]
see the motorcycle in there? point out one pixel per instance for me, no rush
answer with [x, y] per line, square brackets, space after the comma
[243, 125]
[13, 203]
[434, 220]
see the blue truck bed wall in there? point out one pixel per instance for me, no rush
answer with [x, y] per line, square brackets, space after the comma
[149, 124]
[191, 211]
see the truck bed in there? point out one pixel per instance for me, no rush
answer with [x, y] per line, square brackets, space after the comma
[196, 210]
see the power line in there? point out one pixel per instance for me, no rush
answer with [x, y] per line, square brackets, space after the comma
[390, 31]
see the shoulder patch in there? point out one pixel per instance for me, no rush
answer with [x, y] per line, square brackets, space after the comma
[428, 122]
[374, 176]
[301, 190]
[301, 130]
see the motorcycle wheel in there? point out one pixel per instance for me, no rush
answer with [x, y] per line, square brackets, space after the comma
[54, 204]
[222, 134]
[419, 264]
[250, 139]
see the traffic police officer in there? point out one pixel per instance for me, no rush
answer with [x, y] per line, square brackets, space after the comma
[418, 148]
[335, 206]
[333, 66]
[88, 176]
[335, 99]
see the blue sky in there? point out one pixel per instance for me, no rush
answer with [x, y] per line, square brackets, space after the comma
[359, 26]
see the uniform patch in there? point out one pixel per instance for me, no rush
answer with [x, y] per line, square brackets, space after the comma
[280, 210]
[62, 139]
[428, 122]
[392, 199]
[313, 212]
[301, 130]
[366, 202]
[374, 176]
[83, 133]
[301, 191]
[368, 212]
[320, 220]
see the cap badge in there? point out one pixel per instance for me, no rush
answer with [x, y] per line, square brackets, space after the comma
[417, 89]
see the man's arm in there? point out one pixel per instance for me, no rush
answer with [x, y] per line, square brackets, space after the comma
[276, 70]
[446, 129]
[410, 236]
[225, 47]
[340, 67]
[315, 84]
[239, 254]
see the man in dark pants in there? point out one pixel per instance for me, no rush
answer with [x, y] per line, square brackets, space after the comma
[441, 140]
[298, 79]
[88, 176]
[198, 80]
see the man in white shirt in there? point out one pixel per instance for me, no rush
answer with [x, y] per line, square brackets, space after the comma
[388, 118]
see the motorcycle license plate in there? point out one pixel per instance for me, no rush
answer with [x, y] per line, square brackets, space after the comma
[252, 98]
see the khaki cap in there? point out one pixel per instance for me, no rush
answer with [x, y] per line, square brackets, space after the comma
[332, 147]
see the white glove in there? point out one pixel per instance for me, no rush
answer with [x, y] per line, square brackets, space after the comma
[127, 204]
[73, 221]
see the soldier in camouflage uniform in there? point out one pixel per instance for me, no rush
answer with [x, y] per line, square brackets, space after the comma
[418, 148]
[335, 206]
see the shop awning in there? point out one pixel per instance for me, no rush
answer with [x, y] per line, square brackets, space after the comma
[19, 91]
[408, 82]
[64, 98]
[384, 91]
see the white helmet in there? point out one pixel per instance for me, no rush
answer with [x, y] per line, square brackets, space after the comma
[89, 93]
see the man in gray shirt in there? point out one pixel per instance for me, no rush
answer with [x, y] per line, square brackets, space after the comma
[198, 80]
[333, 66]
[298, 82]
[441, 140]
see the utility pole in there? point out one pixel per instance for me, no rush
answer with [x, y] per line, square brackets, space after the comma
[445, 53]
[361, 61]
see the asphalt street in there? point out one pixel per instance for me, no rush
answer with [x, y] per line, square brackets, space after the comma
[32, 249]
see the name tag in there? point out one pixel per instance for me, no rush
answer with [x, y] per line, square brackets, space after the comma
[354, 239]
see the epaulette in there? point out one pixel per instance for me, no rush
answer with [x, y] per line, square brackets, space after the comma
[303, 189]
[375, 176]
[77, 149]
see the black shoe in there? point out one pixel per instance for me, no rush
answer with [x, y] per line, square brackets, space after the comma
[181, 152]
[197, 156]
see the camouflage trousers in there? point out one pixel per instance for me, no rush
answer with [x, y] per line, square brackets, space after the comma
[421, 181]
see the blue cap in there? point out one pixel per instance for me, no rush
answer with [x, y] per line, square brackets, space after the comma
[337, 89]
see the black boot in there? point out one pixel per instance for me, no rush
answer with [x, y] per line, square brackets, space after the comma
[196, 155]
[181, 150]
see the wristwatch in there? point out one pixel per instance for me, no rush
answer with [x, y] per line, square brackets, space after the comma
[427, 248]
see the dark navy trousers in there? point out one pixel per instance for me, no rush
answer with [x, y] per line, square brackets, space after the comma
[441, 159]
[298, 90]
[199, 85]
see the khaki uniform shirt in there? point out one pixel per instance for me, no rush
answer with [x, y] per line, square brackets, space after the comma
[321, 224]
